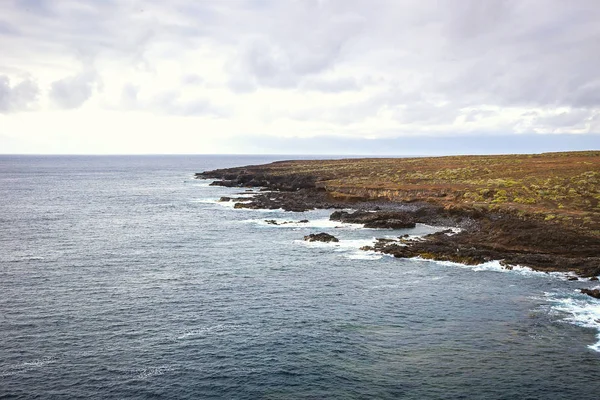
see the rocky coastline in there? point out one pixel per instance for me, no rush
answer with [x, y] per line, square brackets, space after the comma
[481, 235]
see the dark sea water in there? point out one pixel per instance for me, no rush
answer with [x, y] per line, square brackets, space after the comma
[122, 277]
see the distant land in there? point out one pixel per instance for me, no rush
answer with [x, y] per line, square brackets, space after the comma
[536, 210]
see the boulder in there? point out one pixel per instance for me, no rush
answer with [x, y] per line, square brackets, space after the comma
[321, 237]
[591, 292]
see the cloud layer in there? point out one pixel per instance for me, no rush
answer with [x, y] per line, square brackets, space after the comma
[350, 69]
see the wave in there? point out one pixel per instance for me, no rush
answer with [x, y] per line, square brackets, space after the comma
[581, 310]
[226, 204]
[348, 248]
[324, 223]
[27, 366]
[150, 372]
[342, 245]
[496, 266]
[191, 333]
[267, 210]
[201, 182]
[438, 228]
[26, 258]
[364, 255]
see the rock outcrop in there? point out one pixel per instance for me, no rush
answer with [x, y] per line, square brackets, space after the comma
[321, 237]
[591, 292]
[376, 219]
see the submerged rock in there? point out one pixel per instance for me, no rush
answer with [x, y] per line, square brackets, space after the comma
[321, 237]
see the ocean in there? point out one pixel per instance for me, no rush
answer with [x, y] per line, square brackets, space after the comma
[124, 277]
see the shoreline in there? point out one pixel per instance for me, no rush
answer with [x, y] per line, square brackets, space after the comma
[486, 234]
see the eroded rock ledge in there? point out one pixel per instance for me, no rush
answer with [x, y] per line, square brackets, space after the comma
[376, 219]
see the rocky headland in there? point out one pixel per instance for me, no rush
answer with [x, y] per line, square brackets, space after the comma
[541, 211]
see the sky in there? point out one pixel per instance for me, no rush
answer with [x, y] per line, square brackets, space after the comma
[378, 77]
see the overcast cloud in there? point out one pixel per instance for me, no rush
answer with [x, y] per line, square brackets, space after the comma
[195, 76]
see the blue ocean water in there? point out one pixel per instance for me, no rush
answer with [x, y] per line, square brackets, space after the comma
[123, 277]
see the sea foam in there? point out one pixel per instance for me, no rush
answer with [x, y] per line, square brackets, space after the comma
[348, 248]
[226, 204]
[191, 333]
[323, 223]
[496, 266]
[202, 182]
[581, 310]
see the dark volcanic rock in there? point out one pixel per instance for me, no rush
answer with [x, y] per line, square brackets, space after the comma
[391, 223]
[239, 177]
[224, 199]
[321, 237]
[482, 245]
[224, 183]
[298, 201]
[591, 292]
[376, 219]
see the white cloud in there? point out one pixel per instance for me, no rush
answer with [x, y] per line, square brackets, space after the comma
[353, 68]
[71, 92]
[18, 97]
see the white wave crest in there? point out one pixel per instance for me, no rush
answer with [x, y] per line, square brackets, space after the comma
[581, 310]
[226, 204]
[341, 246]
[347, 248]
[364, 255]
[152, 371]
[202, 182]
[27, 366]
[315, 223]
[496, 266]
[438, 228]
[201, 331]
